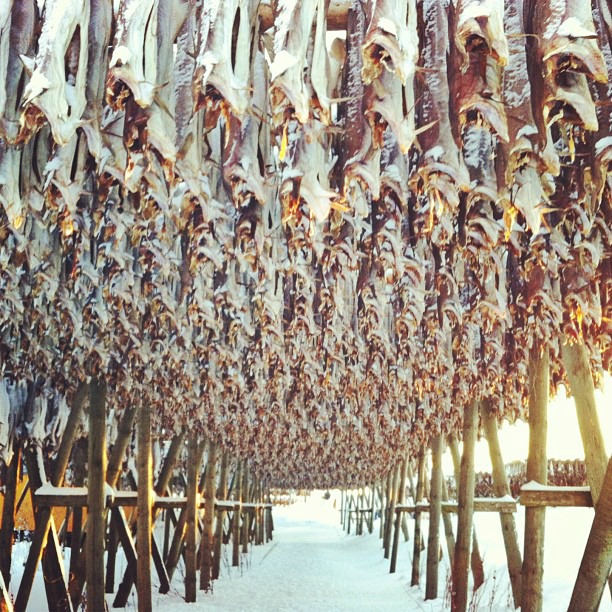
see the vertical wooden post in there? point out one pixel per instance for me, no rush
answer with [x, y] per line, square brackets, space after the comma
[145, 510]
[537, 470]
[112, 546]
[360, 505]
[221, 494]
[448, 528]
[399, 518]
[395, 547]
[391, 511]
[465, 503]
[244, 534]
[372, 508]
[597, 559]
[435, 511]
[75, 581]
[236, 516]
[96, 506]
[191, 522]
[416, 554]
[502, 488]
[117, 454]
[401, 497]
[8, 514]
[206, 564]
[260, 513]
[475, 558]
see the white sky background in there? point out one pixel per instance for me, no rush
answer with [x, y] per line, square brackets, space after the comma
[564, 440]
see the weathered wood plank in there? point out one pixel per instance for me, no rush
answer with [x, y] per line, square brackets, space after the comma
[542, 496]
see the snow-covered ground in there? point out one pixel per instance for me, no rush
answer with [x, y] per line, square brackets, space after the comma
[313, 565]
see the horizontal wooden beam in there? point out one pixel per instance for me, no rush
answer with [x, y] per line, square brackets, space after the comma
[541, 496]
[76, 497]
[481, 504]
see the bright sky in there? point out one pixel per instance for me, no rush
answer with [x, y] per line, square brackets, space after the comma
[564, 440]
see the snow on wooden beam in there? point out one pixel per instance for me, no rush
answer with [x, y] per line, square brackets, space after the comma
[536, 495]
[76, 497]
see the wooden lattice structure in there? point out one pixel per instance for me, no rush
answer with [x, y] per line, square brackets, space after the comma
[321, 235]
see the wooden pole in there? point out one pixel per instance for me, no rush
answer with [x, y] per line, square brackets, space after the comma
[416, 555]
[236, 516]
[174, 553]
[145, 510]
[537, 470]
[221, 494]
[576, 361]
[75, 581]
[372, 508]
[117, 453]
[163, 480]
[502, 488]
[435, 511]
[96, 522]
[597, 559]
[448, 528]
[475, 557]
[244, 534]
[386, 506]
[69, 435]
[206, 562]
[465, 502]
[391, 511]
[191, 522]
[8, 514]
[6, 604]
[401, 498]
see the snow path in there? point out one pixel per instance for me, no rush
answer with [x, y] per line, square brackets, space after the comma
[311, 565]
